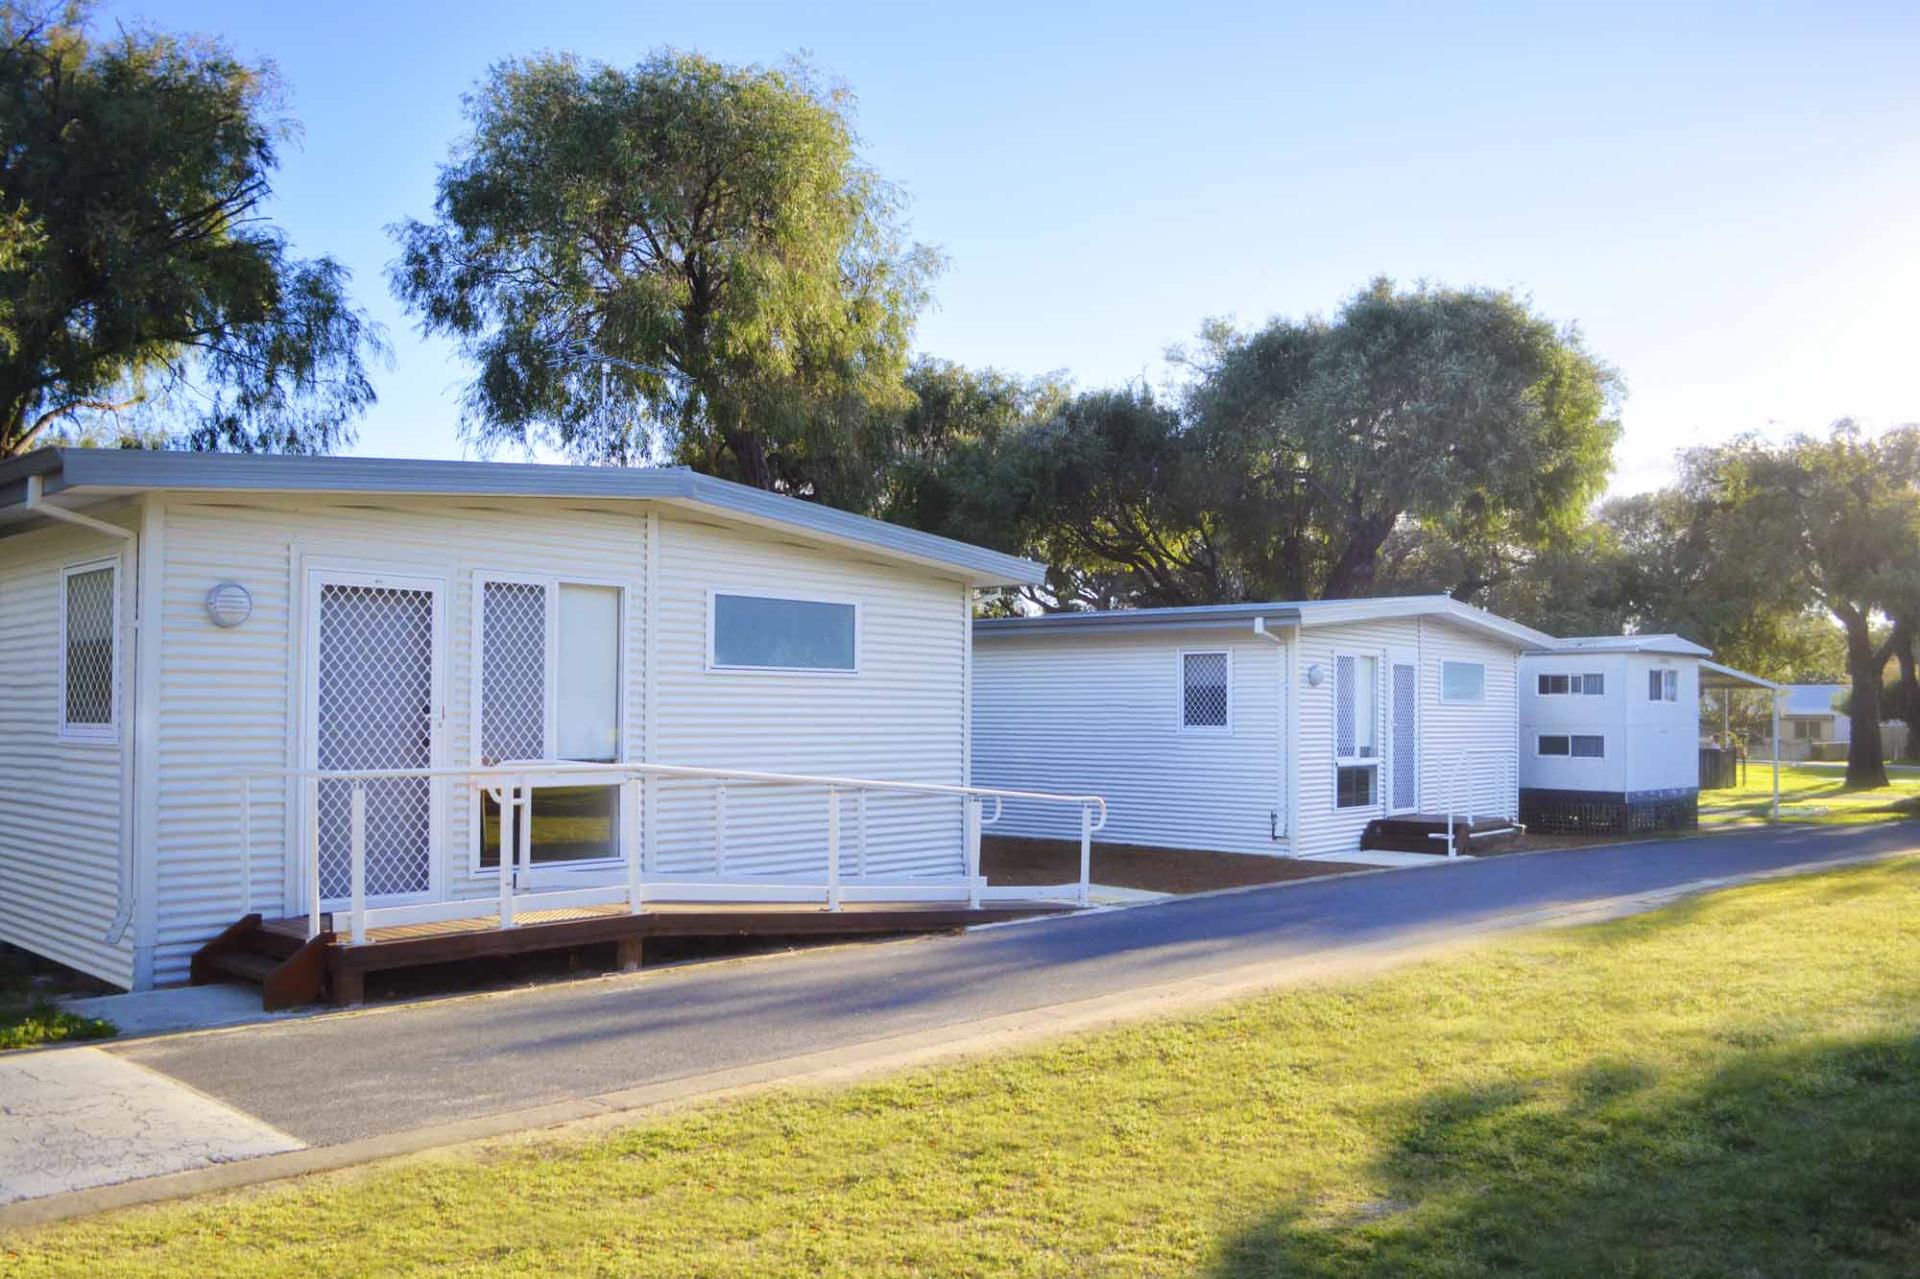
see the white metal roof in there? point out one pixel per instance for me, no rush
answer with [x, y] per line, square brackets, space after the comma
[1673, 644]
[78, 477]
[1812, 699]
[1303, 613]
[1714, 675]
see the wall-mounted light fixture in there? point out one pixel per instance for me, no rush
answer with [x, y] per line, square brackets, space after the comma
[229, 604]
[1316, 675]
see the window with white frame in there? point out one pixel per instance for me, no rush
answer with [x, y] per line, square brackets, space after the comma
[1663, 686]
[89, 673]
[1356, 730]
[1591, 684]
[763, 632]
[1572, 745]
[550, 677]
[1463, 682]
[1206, 692]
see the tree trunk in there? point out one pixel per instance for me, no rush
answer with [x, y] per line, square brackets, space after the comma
[1358, 566]
[1865, 766]
[1906, 631]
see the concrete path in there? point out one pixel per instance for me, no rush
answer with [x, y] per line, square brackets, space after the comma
[171, 1008]
[79, 1117]
[382, 1081]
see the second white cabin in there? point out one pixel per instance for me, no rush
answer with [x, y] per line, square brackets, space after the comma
[1294, 729]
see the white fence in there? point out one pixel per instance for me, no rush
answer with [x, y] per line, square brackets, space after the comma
[628, 882]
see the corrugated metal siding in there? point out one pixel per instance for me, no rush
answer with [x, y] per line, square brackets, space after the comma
[898, 719]
[228, 697]
[1100, 714]
[60, 801]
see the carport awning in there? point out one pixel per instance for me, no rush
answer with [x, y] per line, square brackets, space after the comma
[1714, 675]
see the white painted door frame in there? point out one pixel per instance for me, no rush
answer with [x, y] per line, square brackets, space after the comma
[1397, 759]
[315, 578]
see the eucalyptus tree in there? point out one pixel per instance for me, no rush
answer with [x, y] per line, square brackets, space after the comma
[680, 258]
[1837, 519]
[142, 292]
[1300, 451]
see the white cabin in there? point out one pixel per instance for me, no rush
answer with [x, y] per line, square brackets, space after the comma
[1810, 717]
[1282, 729]
[278, 684]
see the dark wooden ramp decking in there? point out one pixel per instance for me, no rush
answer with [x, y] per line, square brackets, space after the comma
[290, 969]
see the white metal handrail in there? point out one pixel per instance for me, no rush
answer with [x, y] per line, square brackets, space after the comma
[1506, 774]
[511, 786]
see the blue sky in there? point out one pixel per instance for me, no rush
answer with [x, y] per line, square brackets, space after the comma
[1724, 197]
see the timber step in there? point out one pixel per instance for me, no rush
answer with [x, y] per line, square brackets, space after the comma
[244, 965]
[289, 970]
[1426, 833]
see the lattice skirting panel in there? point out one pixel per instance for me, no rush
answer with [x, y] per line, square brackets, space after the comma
[1560, 812]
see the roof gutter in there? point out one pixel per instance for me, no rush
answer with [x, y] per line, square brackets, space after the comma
[37, 503]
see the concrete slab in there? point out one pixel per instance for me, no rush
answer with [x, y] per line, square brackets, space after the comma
[1114, 895]
[74, 1118]
[154, 1012]
[1384, 857]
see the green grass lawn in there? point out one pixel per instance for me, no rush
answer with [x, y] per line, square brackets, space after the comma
[28, 1015]
[1727, 1087]
[1812, 794]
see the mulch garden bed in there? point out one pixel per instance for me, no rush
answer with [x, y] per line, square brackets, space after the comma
[1007, 859]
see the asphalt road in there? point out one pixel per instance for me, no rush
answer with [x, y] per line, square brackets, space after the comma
[338, 1078]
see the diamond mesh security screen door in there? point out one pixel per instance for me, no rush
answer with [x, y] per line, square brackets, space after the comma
[374, 710]
[1406, 737]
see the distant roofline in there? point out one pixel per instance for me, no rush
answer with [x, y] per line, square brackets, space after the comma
[1676, 645]
[1300, 613]
[103, 473]
[1715, 675]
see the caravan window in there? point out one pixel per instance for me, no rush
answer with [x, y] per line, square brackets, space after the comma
[1463, 682]
[758, 632]
[88, 671]
[1206, 699]
[1663, 686]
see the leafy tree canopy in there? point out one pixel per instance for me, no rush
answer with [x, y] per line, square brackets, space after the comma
[1300, 451]
[682, 258]
[136, 271]
[1837, 521]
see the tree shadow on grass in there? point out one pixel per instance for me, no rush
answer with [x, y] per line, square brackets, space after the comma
[1793, 1162]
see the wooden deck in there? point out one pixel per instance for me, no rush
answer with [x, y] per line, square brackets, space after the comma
[291, 970]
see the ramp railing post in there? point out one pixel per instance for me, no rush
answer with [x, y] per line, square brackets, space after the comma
[860, 833]
[833, 848]
[357, 859]
[310, 819]
[1086, 854]
[973, 851]
[507, 801]
[630, 845]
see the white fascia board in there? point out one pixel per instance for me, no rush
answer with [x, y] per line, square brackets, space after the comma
[107, 472]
